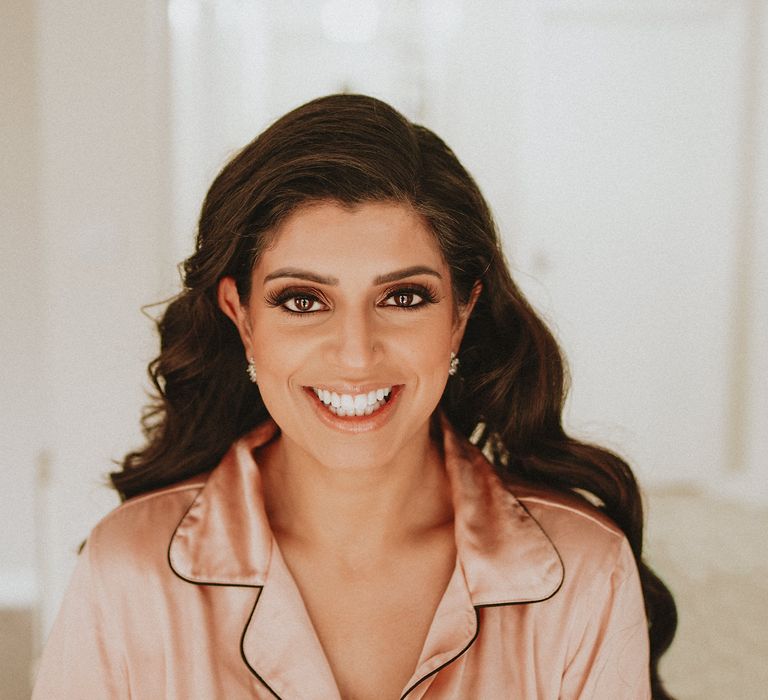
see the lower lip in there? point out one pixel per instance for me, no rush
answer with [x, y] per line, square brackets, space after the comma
[355, 424]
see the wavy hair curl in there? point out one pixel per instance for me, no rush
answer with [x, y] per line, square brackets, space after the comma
[510, 393]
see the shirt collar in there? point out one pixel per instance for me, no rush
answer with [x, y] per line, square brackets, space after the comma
[225, 538]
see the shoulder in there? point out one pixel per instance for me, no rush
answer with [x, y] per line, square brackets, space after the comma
[138, 532]
[564, 512]
[588, 541]
[150, 511]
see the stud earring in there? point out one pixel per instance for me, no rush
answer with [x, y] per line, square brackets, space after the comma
[454, 368]
[251, 370]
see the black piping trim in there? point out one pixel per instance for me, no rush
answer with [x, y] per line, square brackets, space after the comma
[423, 678]
[231, 585]
[498, 605]
[242, 650]
[556, 550]
[477, 630]
[559, 558]
[450, 661]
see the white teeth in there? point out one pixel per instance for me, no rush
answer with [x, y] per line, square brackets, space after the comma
[353, 405]
[367, 411]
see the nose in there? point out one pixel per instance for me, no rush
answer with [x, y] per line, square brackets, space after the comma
[355, 345]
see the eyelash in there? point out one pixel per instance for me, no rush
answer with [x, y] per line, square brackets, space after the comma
[279, 298]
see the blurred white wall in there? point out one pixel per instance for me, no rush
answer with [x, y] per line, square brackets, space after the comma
[86, 182]
[622, 145]
[21, 352]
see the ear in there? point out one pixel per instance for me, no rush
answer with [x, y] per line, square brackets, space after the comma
[464, 313]
[229, 302]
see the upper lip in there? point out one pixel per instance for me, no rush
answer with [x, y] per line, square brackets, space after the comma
[353, 389]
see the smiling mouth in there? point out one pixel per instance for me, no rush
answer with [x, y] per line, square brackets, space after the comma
[348, 405]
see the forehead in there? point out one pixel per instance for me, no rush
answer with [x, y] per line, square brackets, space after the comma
[372, 237]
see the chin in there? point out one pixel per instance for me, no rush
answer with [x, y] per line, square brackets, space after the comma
[345, 455]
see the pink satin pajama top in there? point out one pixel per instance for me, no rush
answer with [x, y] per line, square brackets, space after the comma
[182, 593]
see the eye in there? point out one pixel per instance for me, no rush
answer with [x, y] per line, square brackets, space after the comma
[293, 301]
[302, 304]
[404, 299]
[409, 297]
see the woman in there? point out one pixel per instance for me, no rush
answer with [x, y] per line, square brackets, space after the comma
[356, 483]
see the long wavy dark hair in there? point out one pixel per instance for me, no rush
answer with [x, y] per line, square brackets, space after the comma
[512, 385]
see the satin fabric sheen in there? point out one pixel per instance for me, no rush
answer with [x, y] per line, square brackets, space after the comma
[182, 593]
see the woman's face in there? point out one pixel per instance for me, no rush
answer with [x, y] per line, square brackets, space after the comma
[350, 323]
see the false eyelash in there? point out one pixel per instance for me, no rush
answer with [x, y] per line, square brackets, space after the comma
[428, 295]
[278, 297]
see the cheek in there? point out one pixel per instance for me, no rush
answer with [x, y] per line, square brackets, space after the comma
[277, 349]
[278, 358]
[426, 349]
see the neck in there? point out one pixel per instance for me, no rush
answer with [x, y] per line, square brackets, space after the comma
[355, 511]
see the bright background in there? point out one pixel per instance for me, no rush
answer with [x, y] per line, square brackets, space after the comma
[623, 146]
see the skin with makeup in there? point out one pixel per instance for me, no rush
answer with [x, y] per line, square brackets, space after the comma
[358, 503]
[356, 483]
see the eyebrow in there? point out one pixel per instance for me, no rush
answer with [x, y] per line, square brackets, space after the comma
[332, 281]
